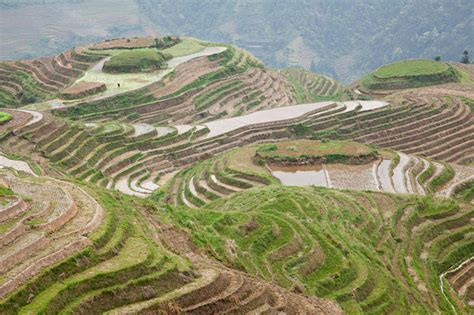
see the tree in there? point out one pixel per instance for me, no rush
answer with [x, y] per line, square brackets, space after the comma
[313, 67]
[465, 58]
[437, 58]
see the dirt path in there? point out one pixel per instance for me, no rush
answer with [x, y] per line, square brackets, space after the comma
[131, 81]
[441, 277]
[15, 164]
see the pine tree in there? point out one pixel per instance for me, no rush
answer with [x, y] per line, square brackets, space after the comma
[465, 58]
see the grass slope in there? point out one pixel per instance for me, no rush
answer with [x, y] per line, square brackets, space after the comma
[410, 74]
[366, 250]
[4, 117]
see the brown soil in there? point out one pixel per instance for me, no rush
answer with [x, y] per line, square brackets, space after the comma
[136, 42]
[82, 89]
[19, 119]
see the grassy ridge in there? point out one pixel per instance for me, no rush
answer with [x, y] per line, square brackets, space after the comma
[121, 262]
[410, 74]
[335, 244]
[408, 68]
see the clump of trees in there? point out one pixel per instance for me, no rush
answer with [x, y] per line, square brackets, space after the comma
[166, 41]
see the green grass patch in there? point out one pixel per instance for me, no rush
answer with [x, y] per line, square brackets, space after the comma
[429, 207]
[5, 191]
[186, 46]
[32, 92]
[7, 99]
[5, 117]
[410, 74]
[408, 68]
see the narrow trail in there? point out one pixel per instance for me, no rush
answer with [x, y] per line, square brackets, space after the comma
[441, 277]
[136, 80]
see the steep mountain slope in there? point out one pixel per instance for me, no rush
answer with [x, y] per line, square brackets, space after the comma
[170, 187]
[343, 39]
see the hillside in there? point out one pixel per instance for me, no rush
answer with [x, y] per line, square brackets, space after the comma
[410, 74]
[342, 39]
[213, 184]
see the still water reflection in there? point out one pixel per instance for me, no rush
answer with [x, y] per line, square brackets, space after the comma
[300, 175]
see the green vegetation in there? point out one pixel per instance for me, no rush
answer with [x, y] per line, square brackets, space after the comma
[122, 261]
[410, 68]
[7, 99]
[106, 104]
[32, 91]
[337, 244]
[186, 46]
[442, 178]
[426, 174]
[4, 191]
[166, 41]
[4, 117]
[465, 191]
[469, 102]
[410, 74]
[312, 87]
[207, 99]
[138, 60]
[267, 147]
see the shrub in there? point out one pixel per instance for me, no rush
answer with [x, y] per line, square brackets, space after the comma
[5, 117]
[5, 191]
[268, 147]
[300, 129]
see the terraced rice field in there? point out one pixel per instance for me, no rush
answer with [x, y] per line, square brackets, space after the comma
[133, 81]
[47, 221]
[115, 157]
[437, 127]
[203, 191]
[30, 81]
[120, 266]
[223, 176]
[372, 252]
[410, 74]
[311, 87]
